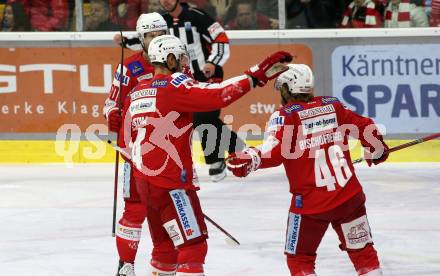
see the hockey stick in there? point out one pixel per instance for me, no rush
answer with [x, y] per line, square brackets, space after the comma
[115, 188]
[406, 145]
[229, 238]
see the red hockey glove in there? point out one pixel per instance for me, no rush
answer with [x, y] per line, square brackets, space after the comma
[114, 120]
[243, 163]
[270, 68]
[376, 157]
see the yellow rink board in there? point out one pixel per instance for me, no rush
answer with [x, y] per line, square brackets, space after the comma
[12, 151]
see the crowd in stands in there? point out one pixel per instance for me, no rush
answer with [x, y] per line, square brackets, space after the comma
[111, 15]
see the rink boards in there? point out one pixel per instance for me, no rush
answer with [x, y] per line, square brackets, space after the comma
[49, 151]
[52, 80]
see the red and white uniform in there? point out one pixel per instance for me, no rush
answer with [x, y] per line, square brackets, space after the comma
[311, 140]
[135, 69]
[158, 117]
[128, 232]
[163, 108]
[317, 160]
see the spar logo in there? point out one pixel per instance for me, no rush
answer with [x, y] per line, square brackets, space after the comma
[390, 83]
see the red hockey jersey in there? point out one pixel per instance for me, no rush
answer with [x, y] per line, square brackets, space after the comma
[157, 121]
[135, 69]
[311, 141]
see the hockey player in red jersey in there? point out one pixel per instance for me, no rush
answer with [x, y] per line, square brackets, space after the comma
[309, 136]
[136, 68]
[158, 130]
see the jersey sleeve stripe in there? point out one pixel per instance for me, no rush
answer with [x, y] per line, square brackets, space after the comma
[220, 53]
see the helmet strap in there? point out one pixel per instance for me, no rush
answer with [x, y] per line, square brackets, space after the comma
[141, 39]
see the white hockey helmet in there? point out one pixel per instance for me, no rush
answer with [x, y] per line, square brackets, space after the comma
[299, 79]
[160, 47]
[150, 22]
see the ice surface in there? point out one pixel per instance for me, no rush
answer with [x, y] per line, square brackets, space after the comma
[57, 221]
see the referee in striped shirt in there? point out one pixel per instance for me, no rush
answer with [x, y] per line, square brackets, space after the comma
[208, 49]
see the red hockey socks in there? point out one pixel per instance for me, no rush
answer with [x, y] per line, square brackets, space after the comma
[365, 259]
[128, 236]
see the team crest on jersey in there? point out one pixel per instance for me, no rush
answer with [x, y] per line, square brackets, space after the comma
[293, 108]
[179, 79]
[187, 26]
[159, 83]
[124, 79]
[136, 68]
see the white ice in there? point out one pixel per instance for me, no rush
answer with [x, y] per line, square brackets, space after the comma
[56, 221]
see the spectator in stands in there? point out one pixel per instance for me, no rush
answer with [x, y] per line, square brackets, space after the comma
[49, 15]
[428, 4]
[99, 17]
[15, 18]
[205, 5]
[270, 9]
[435, 13]
[125, 13]
[361, 14]
[401, 14]
[247, 17]
[313, 13]
[222, 9]
[153, 6]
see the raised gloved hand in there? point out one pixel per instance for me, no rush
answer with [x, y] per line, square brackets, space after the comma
[114, 120]
[377, 156]
[270, 68]
[243, 163]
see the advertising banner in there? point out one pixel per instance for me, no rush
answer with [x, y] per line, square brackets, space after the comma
[43, 88]
[396, 85]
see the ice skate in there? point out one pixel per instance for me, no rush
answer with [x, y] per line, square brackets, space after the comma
[125, 269]
[217, 171]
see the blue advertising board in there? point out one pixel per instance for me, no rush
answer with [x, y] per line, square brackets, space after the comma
[396, 85]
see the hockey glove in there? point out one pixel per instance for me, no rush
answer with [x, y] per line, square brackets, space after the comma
[378, 156]
[270, 68]
[114, 120]
[243, 163]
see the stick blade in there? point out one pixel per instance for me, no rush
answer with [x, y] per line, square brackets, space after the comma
[231, 242]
